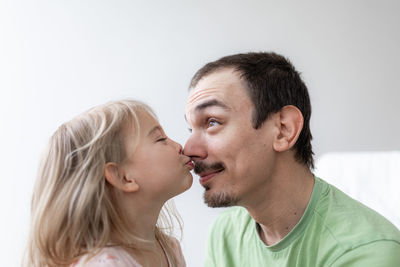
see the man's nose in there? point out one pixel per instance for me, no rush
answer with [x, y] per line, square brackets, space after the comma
[195, 147]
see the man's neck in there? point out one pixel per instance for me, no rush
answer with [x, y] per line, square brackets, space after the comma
[282, 204]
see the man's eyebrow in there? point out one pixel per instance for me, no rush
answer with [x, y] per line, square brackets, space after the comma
[210, 103]
[154, 129]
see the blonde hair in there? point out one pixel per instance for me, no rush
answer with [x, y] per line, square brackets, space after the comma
[73, 209]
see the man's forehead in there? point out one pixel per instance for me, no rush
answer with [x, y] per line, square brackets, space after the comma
[206, 98]
[204, 94]
[216, 85]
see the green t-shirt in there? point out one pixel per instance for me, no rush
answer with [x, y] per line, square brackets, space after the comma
[335, 230]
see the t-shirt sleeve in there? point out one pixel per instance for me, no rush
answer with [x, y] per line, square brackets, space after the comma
[210, 260]
[224, 239]
[385, 253]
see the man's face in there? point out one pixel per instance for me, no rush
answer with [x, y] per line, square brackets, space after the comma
[232, 158]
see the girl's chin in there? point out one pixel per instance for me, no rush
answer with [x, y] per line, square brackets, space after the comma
[188, 184]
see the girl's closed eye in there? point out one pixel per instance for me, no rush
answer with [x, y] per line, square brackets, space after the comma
[162, 139]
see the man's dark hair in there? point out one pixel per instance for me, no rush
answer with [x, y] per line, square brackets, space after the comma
[272, 83]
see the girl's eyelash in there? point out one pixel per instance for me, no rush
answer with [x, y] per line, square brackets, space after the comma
[161, 139]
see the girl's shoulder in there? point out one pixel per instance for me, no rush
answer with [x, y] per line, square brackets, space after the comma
[108, 257]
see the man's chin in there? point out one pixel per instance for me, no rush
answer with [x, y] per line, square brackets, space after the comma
[219, 200]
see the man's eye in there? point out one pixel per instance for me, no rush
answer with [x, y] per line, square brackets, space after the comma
[212, 123]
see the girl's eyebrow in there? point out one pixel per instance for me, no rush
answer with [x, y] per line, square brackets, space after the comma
[155, 129]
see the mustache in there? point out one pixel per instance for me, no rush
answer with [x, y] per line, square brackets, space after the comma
[201, 166]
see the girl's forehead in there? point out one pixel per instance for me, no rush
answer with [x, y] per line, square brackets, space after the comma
[139, 128]
[136, 130]
[146, 119]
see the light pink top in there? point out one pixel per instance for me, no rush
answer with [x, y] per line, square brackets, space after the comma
[118, 257]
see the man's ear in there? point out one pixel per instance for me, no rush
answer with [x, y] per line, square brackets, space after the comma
[119, 180]
[290, 123]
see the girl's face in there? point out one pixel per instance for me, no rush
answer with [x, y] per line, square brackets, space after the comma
[157, 165]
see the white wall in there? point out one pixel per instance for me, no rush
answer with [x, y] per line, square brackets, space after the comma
[58, 58]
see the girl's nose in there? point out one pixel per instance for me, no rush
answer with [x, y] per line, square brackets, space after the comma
[180, 149]
[178, 146]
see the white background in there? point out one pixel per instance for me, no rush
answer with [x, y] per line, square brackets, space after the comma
[58, 58]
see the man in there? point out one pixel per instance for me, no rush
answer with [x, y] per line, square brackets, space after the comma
[251, 144]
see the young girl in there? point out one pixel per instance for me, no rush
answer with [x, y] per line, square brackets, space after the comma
[102, 182]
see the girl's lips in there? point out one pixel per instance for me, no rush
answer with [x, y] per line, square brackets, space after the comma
[204, 179]
[190, 164]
